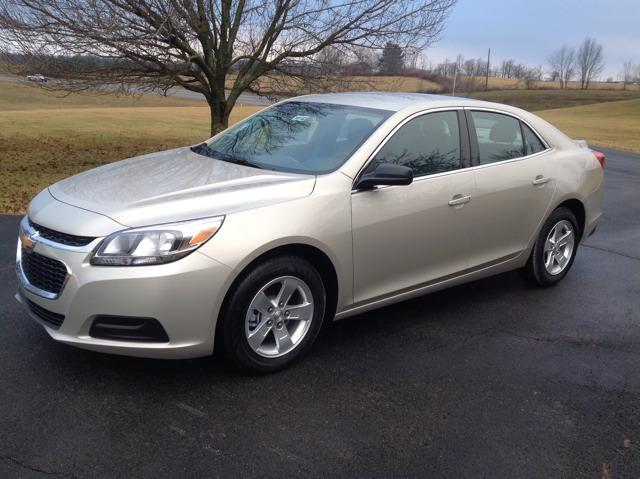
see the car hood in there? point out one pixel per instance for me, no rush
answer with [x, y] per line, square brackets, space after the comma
[177, 185]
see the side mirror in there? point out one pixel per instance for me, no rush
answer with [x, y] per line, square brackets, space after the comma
[385, 174]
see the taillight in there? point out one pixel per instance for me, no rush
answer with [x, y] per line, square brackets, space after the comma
[600, 157]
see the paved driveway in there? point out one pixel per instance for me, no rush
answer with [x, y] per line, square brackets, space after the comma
[491, 379]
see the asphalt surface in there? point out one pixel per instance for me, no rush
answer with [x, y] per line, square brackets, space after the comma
[492, 379]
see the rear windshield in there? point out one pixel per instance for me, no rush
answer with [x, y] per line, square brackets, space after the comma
[299, 137]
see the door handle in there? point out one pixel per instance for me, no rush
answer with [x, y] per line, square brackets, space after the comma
[459, 200]
[540, 180]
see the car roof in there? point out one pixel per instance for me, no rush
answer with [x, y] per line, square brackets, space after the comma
[403, 104]
[386, 101]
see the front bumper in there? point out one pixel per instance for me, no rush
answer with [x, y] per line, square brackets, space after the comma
[184, 296]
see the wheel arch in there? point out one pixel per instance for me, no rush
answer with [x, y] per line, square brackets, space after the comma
[316, 256]
[577, 208]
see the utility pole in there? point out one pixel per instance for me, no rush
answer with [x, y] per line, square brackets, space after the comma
[455, 77]
[486, 83]
[457, 65]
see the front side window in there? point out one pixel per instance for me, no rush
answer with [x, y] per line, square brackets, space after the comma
[427, 144]
[499, 136]
[296, 136]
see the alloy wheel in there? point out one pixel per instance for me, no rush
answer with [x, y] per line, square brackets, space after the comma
[558, 247]
[279, 316]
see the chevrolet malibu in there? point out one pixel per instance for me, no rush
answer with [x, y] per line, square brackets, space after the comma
[319, 207]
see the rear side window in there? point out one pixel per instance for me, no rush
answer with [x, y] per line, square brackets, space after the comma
[427, 144]
[532, 143]
[499, 136]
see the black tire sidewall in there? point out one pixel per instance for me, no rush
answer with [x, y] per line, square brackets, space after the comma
[538, 270]
[232, 329]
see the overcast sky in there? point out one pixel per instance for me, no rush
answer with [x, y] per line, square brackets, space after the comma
[529, 31]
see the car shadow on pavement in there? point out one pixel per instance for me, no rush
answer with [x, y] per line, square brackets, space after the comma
[427, 322]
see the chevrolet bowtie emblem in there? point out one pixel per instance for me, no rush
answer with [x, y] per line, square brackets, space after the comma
[27, 241]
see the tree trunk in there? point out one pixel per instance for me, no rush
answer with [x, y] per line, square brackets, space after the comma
[219, 116]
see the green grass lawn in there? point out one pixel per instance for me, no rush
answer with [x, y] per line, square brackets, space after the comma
[44, 138]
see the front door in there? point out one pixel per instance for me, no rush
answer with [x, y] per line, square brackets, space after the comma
[407, 236]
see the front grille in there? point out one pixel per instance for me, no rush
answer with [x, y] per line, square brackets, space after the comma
[52, 319]
[61, 238]
[44, 273]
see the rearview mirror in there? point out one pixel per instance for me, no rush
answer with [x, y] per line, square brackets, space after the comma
[386, 174]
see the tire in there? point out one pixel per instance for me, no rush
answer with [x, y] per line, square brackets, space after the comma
[542, 269]
[254, 333]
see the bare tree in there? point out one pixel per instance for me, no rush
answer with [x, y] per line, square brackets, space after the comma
[507, 68]
[469, 67]
[532, 75]
[590, 61]
[422, 62]
[331, 60]
[363, 62]
[520, 71]
[205, 46]
[446, 68]
[563, 64]
[627, 74]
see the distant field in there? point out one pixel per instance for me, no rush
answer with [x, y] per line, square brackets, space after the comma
[403, 84]
[614, 125]
[414, 84]
[291, 87]
[514, 83]
[25, 96]
[534, 100]
[44, 138]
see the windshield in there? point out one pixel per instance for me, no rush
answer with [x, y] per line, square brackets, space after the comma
[299, 137]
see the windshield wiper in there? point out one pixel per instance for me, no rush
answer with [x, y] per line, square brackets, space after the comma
[203, 149]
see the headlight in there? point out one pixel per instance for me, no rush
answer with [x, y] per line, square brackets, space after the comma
[155, 244]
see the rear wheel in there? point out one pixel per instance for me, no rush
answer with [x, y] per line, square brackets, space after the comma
[274, 314]
[554, 250]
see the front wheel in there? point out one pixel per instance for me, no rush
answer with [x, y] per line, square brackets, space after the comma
[554, 250]
[274, 314]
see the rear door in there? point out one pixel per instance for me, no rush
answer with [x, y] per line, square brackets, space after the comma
[515, 181]
[406, 236]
